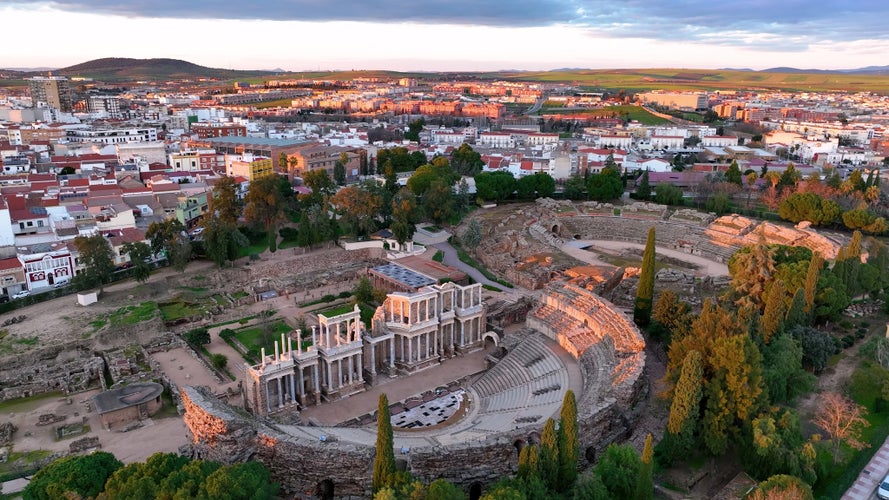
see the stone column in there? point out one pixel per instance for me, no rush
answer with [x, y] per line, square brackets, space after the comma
[462, 334]
[317, 378]
[268, 407]
[392, 352]
[301, 387]
[360, 368]
[410, 350]
[329, 376]
[373, 361]
[292, 388]
[350, 362]
[280, 393]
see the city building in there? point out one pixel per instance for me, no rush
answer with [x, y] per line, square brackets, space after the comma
[54, 91]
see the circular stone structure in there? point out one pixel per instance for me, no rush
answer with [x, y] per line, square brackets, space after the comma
[599, 356]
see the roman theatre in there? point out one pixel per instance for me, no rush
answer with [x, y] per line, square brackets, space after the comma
[572, 338]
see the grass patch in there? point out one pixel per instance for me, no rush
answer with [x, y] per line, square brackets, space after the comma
[287, 244]
[336, 311]
[99, 323]
[174, 311]
[491, 288]
[439, 256]
[27, 341]
[467, 259]
[241, 321]
[8, 471]
[23, 405]
[256, 337]
[219, 299]
[131, 315]
[195, 289]
[240, 294]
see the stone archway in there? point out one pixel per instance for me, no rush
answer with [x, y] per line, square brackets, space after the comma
[491, 337]
[475, 491]
[325, 490]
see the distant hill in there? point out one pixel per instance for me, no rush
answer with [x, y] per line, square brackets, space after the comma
[124, 69]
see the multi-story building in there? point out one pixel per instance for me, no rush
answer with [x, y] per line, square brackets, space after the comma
[105, 105]
[113, 135]
[206, 130]
[248, 166]
[53, 90]
[678, 100]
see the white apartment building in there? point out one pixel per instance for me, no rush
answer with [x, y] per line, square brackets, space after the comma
[113, 135]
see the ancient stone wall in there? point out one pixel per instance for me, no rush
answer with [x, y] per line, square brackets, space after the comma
[70, 368]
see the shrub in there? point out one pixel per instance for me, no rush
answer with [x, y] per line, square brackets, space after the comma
[197, 336]
[219, 361]
[328, 298]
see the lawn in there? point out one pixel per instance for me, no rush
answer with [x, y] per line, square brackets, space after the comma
[636, 113]
[256, 337]
[336, 311]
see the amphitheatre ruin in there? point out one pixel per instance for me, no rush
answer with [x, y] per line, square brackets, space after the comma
[564, 327]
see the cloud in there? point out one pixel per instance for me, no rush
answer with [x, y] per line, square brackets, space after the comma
[762, 24]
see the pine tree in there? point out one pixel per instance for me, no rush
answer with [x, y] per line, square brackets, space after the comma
[645, 289]
[568, 443]
[773, 316]
[549, 455]
[733, 174]
[811, 285]
[645, 486]
[384, 460]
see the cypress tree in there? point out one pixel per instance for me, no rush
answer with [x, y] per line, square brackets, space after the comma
[384, 460]
[796, 315]
[645, 486]
[811, 285]
[529, 462]
[645, 290]
[568, 443]
[549, 455]
[773, 316]
[685, 408]
[643, 190]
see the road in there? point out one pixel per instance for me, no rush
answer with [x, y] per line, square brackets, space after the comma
[865, 486]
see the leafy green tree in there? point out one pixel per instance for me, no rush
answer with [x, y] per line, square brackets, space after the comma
[619, 470]
[266, 203]
[817, 347]
[549, 455]
[645, 288]
[320, 183]
[539, 185]
[575, 188]
[590, 487]
[197, 336]
[643, 188]
[781, 487]
[790, 177]
[224, 204]
[605, 186]
[404, 216]
[97, 258]
[466, 161]
[568, 442]
[425, 175]
[810, 207]
[438, 202]
[357, 208]
[140, 256]
[783, 374]
[168, 238]
[414, 128]
[667, 194]
[222, 241]
[339, 173]
[363, 291]
[384, 460]
[72, 477]
[249, 480]
[855, 182]
[473, 234]
[733, 174]
[219, 361]
[145, 480]
[441, 489]
[774, 444]
[495, 186]
[751, 269]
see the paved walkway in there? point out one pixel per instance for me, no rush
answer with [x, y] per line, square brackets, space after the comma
[865, 486]
[451, 259]
[706, 267]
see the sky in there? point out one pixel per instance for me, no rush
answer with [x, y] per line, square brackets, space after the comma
[450, 35]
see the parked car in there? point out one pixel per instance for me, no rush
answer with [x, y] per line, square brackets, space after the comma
[60, 284]
[883, 490]
[22, 294]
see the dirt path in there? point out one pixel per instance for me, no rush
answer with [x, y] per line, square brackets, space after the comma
[706, 267]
